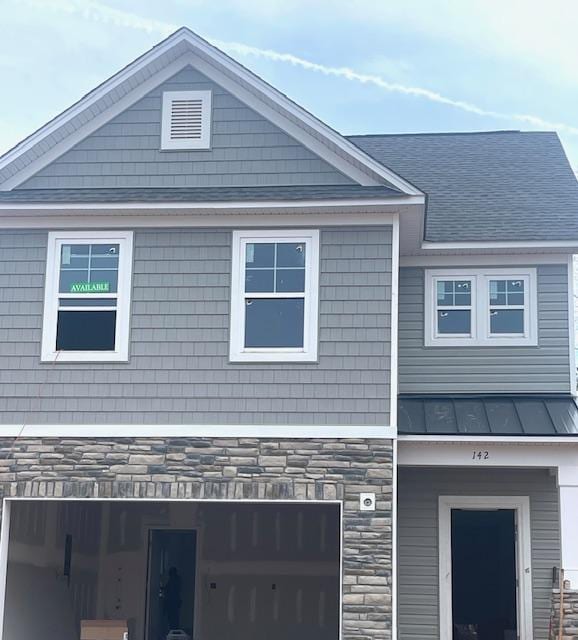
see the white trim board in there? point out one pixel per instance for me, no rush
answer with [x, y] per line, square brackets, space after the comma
[209, 206]
[572, 327]
[521, 506]
[248, 87]
[393, 378]
[228, 220]
[488, 453]
[280, 432]
[506, 244]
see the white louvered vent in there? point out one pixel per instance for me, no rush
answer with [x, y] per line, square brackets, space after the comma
[186, 120]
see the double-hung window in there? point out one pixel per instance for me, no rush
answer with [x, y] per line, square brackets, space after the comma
[87, 297]
[274, 296]
[477, 307]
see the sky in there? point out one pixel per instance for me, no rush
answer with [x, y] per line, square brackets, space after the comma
[362, 66]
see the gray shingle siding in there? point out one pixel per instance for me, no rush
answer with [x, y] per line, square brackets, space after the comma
[506, 185]
[418, 493]
[178, 370]
[542, 369]
[246, 150]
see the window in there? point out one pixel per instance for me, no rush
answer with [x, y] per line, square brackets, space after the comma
[87, 297]
[186, 120]
[481, 307]
[274, 296]
[454, 307]
[507, 304]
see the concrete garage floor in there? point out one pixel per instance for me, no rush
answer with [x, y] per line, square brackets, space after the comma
[233, 570]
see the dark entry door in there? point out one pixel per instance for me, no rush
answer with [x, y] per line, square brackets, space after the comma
[484, 593]
[171, 582]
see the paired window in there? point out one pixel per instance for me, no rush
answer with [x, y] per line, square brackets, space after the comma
[186, 120]
[87, 297]
[481, 307]
[274, 296]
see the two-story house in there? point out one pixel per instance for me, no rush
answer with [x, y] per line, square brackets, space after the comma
[259, 380]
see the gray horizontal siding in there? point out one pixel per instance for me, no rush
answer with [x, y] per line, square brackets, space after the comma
[418, 493]
[539, 369]
[246, 150]
[178, 370]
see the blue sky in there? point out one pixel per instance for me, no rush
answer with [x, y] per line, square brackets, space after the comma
[363, 66]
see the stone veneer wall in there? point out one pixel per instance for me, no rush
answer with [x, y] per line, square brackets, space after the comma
[234, 468]
[570, 620]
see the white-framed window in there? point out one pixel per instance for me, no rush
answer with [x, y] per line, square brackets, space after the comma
[478, 307]
[274, 296]
[186, 120]
[87, 296]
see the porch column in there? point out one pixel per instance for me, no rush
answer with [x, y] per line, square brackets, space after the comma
[568, 485]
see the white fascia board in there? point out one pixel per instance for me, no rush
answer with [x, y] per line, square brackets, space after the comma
[208, 206]
[352, 161]
[203, 214]
[281, 432]
[232, 220]
[508, 244]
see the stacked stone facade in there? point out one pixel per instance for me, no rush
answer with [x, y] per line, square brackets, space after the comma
[234, 469]
[569, 618]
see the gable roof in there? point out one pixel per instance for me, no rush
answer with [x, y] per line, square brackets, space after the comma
[494, 186]
[180, 49]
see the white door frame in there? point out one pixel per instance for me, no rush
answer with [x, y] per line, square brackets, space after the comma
[521, 506]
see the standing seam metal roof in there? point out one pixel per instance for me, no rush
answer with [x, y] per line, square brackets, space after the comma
[488, 415]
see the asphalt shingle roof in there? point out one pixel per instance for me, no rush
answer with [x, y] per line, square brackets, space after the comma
[488, 415]
[492, 186]
[197, 194]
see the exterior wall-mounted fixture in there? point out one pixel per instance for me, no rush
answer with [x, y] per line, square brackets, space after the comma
[367, 501]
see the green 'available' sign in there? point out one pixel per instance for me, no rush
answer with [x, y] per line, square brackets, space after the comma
[90, 287]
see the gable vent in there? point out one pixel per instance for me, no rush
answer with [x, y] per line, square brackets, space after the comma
[186, 120]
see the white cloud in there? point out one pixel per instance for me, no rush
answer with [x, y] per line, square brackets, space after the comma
[98, 12]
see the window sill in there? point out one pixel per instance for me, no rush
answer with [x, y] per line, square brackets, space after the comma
[490, 342]
[83, 356]
[273, 356]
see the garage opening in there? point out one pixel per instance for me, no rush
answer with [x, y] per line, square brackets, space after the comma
[158, 570]
[483, 546]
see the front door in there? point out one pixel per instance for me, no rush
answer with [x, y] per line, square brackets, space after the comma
[483, 576]
[171, 582]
